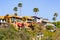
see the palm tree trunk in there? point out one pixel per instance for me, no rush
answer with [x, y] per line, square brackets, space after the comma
[15, 11]
[20, 11]
[35, 13]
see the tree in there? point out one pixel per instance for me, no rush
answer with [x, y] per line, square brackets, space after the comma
[55, 14]
[15, 14]
[20, 6]
[35, 10]
[6, 16]
[54, 18]
[15, 9]
[49, 27]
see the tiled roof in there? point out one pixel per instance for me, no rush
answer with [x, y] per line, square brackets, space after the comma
[1, 17]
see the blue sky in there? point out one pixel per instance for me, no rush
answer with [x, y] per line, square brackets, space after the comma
[46, 7]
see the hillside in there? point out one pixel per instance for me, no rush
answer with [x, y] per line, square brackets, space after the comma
[28, 34]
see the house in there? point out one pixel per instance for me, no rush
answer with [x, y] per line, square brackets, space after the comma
[27, 20]
[40, 19]
[2, 20]
[36, 19]
[45, 21]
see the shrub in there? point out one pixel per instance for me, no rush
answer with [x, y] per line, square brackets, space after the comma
[49, 27]
[12, 34]
[57, 24]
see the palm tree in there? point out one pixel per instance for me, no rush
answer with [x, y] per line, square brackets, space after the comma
[54, 18]
[15, 9]
[55, 14]
[7, 14]
[35, 10]
[20, 6]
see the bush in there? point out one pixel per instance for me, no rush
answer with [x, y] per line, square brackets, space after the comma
[12, 34]
[49, 27]
[57, 24]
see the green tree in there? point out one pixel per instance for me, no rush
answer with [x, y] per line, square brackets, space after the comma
[20, 6]
[7, 14]
[55, 14]
[54, 18]
[35, 10]
[15, 9]
[49, 27]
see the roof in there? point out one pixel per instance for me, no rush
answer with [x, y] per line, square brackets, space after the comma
[36, 17]
[28, 17]
[1, 17]
[45, 20]
[14, 16]
[50, 24]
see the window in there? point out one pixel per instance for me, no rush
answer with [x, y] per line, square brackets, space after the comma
[29, 20]
[13, 18]
[16, 19]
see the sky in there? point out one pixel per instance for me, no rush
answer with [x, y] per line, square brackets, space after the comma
[47, 8]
